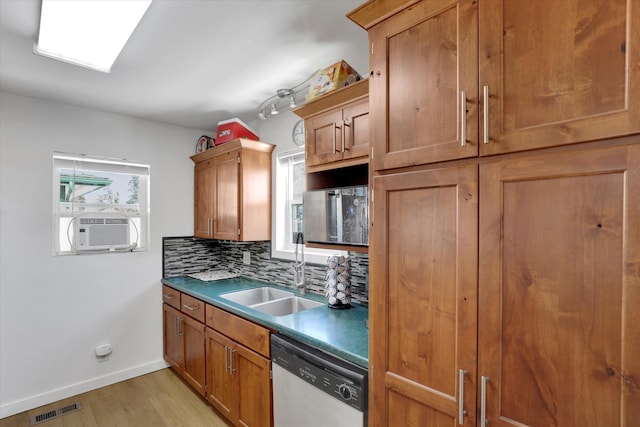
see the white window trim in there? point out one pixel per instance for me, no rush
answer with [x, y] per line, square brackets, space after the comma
[139, 224]
[282, 214]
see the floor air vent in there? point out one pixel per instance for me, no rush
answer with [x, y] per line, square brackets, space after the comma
[49, 415]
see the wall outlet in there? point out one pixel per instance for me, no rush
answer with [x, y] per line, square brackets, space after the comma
[246, 257]
[103, 350]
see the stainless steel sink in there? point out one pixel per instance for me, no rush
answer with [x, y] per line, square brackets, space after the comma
[285, 306]
[255, 296]
[275, 302]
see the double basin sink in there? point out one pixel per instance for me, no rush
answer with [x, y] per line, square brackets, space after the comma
[275, 302]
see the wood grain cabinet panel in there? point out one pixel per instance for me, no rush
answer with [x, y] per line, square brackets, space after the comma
[232, 191]
[173, 341]
[423, 296]
[424, 83]
[204, 184]
[183, 343]
[559, 288]
[557, 72]
[337, 128]
[242, 390]
[459, 78]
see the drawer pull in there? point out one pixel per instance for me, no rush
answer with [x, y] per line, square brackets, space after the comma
[191, 307]
[168, 296]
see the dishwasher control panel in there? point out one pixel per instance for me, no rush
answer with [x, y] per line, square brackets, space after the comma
[336, 377]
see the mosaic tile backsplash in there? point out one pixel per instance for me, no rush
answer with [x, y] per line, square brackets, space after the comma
[187, 255]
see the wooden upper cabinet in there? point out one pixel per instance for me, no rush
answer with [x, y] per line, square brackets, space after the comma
[233, 191]
[337, 128]
[204, 175]
[424, 84]
[557, 72]
[227, 195]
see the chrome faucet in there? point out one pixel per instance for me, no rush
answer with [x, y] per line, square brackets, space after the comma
[298, 266]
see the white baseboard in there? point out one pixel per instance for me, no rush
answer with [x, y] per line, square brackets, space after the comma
[17, 406]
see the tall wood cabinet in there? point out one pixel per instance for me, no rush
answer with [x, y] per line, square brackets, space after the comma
[232, 199]
[506, 212]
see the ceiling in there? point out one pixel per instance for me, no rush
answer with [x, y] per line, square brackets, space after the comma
[190, 62]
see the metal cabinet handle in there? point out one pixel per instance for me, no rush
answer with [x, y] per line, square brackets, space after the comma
[461, 411]
[483, 401]
[168, 296]
[345, 125]
[485, 99]
[226, 358]
[231, 368]
[179, 326]
[335, 128]
[191, 307]
[463, 119]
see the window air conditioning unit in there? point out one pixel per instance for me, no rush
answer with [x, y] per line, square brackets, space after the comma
[101, 233]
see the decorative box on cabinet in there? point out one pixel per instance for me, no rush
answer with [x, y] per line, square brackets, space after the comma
[230, 180]
[337, 128]
[570, 83]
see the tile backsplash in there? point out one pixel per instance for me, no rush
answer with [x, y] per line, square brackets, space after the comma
[186, 255]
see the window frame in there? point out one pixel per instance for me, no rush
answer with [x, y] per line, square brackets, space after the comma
[65, 212]
[281, 247]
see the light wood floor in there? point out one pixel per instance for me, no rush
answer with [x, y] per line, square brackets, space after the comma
[157, 399]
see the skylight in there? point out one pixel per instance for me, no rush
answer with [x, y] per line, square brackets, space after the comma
[88, 33]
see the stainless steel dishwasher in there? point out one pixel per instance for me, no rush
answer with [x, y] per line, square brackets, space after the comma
[314, 389]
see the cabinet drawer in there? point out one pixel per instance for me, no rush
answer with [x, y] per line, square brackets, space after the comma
[243, 331]
[193, 307]
[171, 296]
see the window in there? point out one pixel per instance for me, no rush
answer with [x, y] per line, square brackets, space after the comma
[99, 205]
[290, 184]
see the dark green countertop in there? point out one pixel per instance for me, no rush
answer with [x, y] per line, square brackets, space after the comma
[339, 332]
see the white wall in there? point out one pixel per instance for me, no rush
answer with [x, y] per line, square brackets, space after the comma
[55, 310]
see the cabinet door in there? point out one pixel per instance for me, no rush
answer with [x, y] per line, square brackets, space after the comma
[226, 196]
[173, 337]
[423, 297]
[324, 138]
[558, 72]
[559, 289]
[253, 374]
[203, 199]
[423, 59]
[220, 386]
[356, 130]
[194, 353]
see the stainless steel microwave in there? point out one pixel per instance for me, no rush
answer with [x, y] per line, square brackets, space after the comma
[337, 215]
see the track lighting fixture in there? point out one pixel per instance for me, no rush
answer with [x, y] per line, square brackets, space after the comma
[278, 102]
